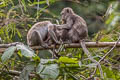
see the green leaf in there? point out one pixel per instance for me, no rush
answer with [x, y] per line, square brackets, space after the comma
[8, 53]
[34, 3]
[48, 71]
[26, 71]
[67, 60]
[108, 73]
[18, 32]
[24, 5]
[36, 58]
[26, 51]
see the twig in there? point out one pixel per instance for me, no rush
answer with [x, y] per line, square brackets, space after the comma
[105, 55]
[75, 1]
[91, 58]
[17, 73]
[38, 7]
[10, 44]
[84, 78]
[110, 50]
[21, 6]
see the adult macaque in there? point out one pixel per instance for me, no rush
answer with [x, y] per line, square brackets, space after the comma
[76, 29]
[38, 34]
[73, 25]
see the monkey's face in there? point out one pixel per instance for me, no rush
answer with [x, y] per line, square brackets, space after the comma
[63, 17]
[65, 13]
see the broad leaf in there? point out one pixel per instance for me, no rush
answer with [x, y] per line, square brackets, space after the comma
[8, 53]
[26, 51]
[26, 72]
[48, 71]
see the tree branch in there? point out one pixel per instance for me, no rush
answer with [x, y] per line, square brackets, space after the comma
[17, 73]
[72, 45]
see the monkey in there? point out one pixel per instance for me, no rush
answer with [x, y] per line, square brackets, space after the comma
[73, 25]
[76, 30]
[39, 33]
[76, 27]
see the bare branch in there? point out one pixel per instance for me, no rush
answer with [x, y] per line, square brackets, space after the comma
[73, 45]
[115, 45]
[110, 50]
[17, 73]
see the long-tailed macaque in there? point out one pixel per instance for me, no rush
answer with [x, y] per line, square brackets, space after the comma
[73, 25]
[75, 28]
[38, 34]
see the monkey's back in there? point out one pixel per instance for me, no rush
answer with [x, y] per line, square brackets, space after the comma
[42, 28]
[82, 28]
[79, 30]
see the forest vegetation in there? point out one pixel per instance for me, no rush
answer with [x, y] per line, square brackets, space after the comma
[20, 62]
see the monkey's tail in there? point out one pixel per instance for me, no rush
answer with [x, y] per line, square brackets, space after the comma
[90, 57]
[85, 48]
[86, 51]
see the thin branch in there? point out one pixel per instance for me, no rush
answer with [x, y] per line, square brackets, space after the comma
[21, 6]
[75, 1]
[92, 59]
[115, 45]
[110, 50]
[17, 73]
[10, 44]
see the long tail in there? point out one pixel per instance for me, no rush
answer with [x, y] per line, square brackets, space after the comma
[85, 49]
[90, 57]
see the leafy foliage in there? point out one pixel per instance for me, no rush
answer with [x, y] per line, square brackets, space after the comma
[27, 52]
[8, 53]
[18, 16]
[49, 71]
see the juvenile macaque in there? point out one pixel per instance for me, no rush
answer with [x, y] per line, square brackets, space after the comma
[58, 32]
[38, 34]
